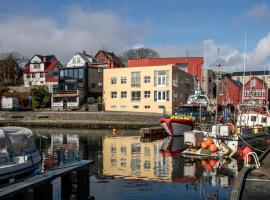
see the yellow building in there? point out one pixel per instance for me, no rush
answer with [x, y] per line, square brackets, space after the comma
[146, 89]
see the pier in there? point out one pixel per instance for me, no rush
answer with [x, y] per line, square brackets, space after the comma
[254, 183]
[40, 187]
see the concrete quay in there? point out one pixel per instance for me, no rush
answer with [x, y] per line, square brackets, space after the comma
[75, 119]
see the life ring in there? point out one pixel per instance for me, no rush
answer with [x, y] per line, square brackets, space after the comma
[231, 127]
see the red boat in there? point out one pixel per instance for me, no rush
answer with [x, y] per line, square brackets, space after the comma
[176, 126]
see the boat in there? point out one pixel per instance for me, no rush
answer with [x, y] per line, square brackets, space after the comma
[18, 153]
[176, 126]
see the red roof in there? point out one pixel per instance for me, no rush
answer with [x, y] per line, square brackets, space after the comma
[51, 79]
[51, 66]
[194, 64]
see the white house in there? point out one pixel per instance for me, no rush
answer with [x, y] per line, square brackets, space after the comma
[41, 70]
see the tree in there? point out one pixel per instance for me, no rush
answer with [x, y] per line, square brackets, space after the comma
[41, 98]
[139, 53]
[10, 72]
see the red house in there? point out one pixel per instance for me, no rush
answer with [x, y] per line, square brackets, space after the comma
[229, 92]
[109, 59]
[192, 65]
[256, 90]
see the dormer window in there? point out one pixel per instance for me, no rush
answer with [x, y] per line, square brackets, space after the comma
[253, 83]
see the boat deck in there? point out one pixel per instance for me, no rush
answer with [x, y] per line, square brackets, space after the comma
[257, 185]
[253, 183]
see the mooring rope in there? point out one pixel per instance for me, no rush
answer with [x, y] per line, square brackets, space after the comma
[249, 144]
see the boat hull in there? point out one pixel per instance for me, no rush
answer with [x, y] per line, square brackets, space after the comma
[176, 127]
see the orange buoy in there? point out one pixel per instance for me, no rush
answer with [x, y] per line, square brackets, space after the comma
[204, 163]
[209, 141]
[213, 148]
[114, 131]
[204, 145]
[213, 162]
[208, 167]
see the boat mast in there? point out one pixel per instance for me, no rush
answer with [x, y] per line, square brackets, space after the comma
[244, 72]
[217, 85]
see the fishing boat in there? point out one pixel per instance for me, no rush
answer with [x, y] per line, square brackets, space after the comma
[18, 153]
[176, 126]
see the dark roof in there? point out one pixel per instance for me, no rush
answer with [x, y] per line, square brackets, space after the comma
[251, 73]
[111, 56]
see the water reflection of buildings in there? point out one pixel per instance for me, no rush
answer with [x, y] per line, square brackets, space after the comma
[129, 158]
[63, 149]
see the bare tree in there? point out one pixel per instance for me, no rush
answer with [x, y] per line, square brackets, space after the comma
[139, 53]
[10, 72]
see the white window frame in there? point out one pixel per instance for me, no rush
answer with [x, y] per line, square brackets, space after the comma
[123, 94]
[113, 80]
[113, 95]
[161, 95]
[123, 80]
[147, 79]
[161, 78]
[147, 94]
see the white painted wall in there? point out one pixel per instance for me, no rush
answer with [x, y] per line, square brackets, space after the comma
[76, 61]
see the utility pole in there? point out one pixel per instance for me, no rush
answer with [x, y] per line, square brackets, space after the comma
[217, 86]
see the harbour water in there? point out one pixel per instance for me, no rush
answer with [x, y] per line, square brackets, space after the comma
[127, 167]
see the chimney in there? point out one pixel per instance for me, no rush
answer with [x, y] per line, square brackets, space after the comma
[84, 52]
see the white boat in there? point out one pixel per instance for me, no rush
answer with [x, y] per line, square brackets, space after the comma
[18, 153]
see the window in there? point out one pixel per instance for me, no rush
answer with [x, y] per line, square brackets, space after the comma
[123, 94]
[147, 79]
[253, 83]
[70, 73]
[78, 60]
[123, 80]
[146, 94]
[136, 107]
[147, 107]
[74, 60]
[113, 106]
[135, 79]
[135, 96]
[81, 73]
[253, 118]
[99, 70]
[113, 95]
[28, 75]
[123, 106]
[93, 85]
[41, 75]
[161, 78]
[100, 84]
[76, 75]
[36, 66]
[66, 72]
[33, 75]
[263, 120]
[161, 95]
[113, 80]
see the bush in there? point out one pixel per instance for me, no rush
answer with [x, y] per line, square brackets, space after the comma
[41, 98]
[3, 88]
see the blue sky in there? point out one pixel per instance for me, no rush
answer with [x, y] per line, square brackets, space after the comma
[171, 27]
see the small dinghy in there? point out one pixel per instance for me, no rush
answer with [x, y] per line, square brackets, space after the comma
[18, 153]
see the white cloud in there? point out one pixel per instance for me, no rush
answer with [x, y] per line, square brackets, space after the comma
[228, 56]
[258, 12]
[83, 30]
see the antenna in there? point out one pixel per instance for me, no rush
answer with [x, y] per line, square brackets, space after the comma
[205, 67]
[217, 85]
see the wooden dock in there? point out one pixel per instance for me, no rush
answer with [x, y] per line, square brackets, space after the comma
[39, 187]
[254, 183]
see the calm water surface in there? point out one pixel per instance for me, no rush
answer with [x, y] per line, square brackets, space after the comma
[127, 167]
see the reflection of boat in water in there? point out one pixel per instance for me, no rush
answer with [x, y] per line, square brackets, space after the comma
[18, 153]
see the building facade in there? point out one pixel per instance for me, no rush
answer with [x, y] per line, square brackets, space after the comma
[40, 70]
[229, 92]
[146, 89]
[256, 91]
[81, 77]
[192, 65]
